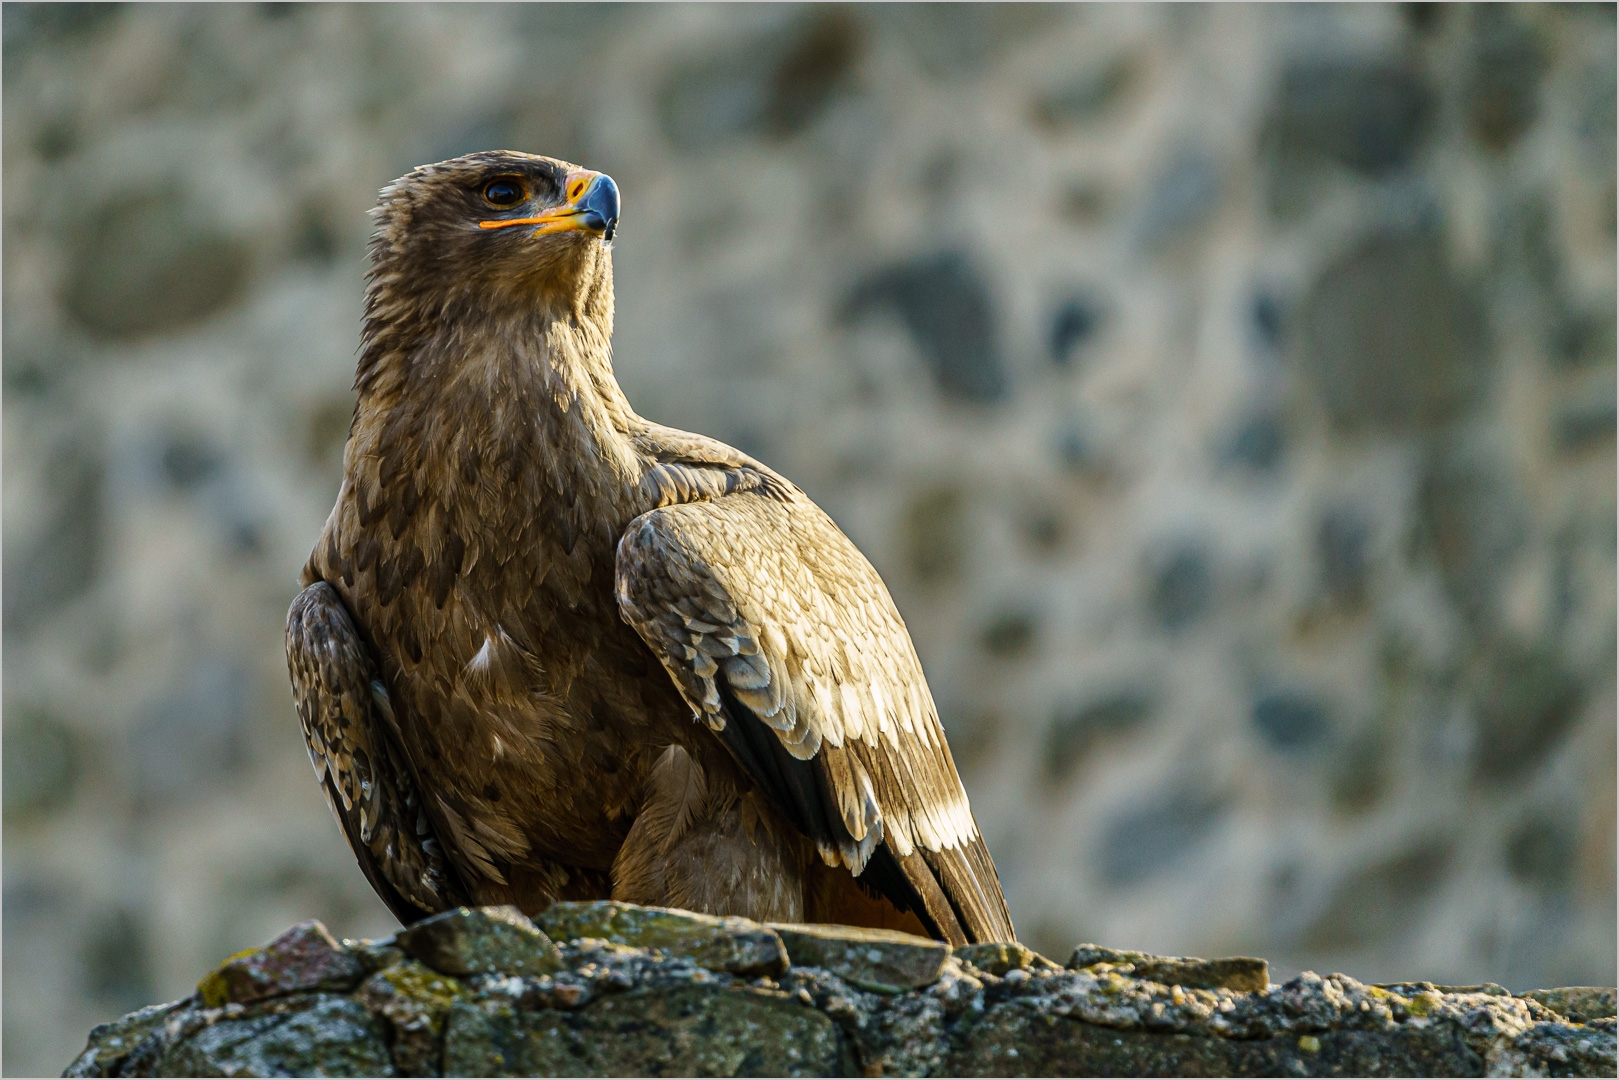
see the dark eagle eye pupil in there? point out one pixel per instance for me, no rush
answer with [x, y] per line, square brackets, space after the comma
[503, 193]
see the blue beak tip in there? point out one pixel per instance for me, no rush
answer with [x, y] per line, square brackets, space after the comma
[601, 205]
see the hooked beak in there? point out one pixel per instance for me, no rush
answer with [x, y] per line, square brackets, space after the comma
[591, 206]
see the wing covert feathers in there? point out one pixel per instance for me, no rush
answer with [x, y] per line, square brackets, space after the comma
[785, 643]
[352, 737]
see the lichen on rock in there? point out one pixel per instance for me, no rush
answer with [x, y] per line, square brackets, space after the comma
[493, 939]
[306, 957]
[718, 943]
[655, 992]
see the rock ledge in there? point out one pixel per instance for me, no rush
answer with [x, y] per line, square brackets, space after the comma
[624, 990]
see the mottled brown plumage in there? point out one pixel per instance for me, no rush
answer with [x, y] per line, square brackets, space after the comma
[549, 650]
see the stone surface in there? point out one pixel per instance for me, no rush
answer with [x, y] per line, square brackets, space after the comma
[325, 1036]
[1144, 840]
[773, 86]
[61, 560]
[474, 941]
[999, 957]
[1243, 973]
[414, 1000]
[1074, 733]
[1581, 1004]
[1393, 339]
[306, 957]
[883, 960]
[623, 1010]
[946, 305]
[111, 1044]
[1019, 1040]
[729, 944]
[193, 267]
[678, 1032]
[1503, 92]
[1368, 116]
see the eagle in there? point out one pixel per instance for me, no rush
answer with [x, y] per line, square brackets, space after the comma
[546, 649]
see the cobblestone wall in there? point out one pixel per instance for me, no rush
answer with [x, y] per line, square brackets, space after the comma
[1226, 394]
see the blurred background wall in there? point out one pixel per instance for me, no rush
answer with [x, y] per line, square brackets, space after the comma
[1225, 393]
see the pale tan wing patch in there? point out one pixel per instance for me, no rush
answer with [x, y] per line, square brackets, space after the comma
[764, 600]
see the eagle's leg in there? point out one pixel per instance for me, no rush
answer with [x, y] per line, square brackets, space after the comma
[698, 844]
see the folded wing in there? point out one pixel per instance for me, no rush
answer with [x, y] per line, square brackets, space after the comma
[785, 642]
[353, 742]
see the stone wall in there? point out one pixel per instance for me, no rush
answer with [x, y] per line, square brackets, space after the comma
[1226, 394]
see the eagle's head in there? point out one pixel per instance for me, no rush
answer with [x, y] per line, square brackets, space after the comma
[497, 232]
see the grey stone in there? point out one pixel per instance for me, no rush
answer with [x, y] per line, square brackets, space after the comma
[1524, 243]
[31, 26]
[1367, 115]
[1180, 583]
[1072, 734]
[1265, 315]
[1010, 634]
[1412, 989]
[1341, 542]
[1015, 1039]
[999, 957]
[1179, 198]
[883, 960]
[1596, 111]
[61, 561]
[1147, 838]
[111, 1043]
[719, 943]
[622, 1010]
[306, 957]
[1503, 88]
[1241, 973]
[957, 41]
[1360, 774]
[1472, 518]
[1090, 94]
[945, 304]
[1581, 1004]
[1257, 443]
[1584, 339]
[1390, 891]
[328, 1036]
[1291, 720]
[195, 734]
[151, 262]
[1540, 851]
[117, 959]
[1552, 1049]
[415, 1000]
[679, 1032]
[1080, 451]
[1075, 323]
[43, 762]
[1526, 702]
[472, 941]
[1392, 340]
[774, 86]
[932, 533]
[1585, 424]
[189, 460]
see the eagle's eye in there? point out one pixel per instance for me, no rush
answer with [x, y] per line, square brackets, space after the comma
[503, 193]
